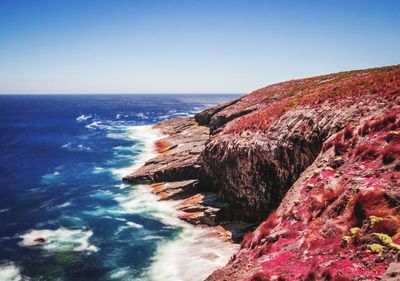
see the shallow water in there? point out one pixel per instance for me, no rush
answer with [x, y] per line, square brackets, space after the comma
[62, 159]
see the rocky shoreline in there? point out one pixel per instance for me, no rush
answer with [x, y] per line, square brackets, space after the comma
[315, 163]
[176, 174]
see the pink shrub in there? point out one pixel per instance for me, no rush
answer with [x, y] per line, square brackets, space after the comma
[246, 241]
[366, 152]
[348, 132]
[370, 203]
[364, 130]
[390, 153]
[383, 122]
[340, 148]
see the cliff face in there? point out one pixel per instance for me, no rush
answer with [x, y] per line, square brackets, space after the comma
[324, 152]
[255, 158]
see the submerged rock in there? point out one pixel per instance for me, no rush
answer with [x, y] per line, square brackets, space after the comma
[39, 240]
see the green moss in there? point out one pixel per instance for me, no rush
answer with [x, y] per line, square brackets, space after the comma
[374, 219]
[294, 103]
[354, 230]
[364, 83]
[327, 168]
[294, 90]
[387, 240]
[346, 238]
[375, 248]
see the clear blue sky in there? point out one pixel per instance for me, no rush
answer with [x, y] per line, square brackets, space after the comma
[198, 46]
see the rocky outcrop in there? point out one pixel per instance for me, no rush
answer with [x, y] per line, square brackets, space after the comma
[179, 152]
[323, 152]
[176, 174]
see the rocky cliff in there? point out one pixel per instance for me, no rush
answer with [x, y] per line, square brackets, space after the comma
[324, 153]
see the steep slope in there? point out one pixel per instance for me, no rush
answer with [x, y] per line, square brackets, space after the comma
[340, 220]
[261, 143]
[324, 152]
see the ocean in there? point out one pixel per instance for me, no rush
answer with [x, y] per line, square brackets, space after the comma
[62, 160]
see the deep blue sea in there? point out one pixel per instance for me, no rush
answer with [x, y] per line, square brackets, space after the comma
[65, 214]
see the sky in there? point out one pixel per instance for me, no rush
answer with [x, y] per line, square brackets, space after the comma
[192, 46]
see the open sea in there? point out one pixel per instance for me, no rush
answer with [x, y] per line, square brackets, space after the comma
[65, 214]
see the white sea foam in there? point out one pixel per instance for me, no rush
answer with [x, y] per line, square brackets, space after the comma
[98, 125]
[98, 170]
[80, 147]
[145, 136]
[194, 254]
[122, 185]
[61, 239]
[64, 205]
[10, 272]
[141, 115]
[83, 117]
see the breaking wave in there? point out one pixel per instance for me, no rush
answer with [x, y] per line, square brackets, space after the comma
[61, 239]
[196, 252]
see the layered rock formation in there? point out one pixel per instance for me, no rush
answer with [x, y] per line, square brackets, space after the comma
[324, 152]
[176, 174]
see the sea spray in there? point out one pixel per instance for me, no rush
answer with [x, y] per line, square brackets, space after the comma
[195, 252]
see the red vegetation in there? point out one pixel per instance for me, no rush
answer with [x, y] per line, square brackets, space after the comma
[348, 132]
[390, 225]
[344, 88]
[364, 130]
[337, 211]
[340, 148]
[161, 146]
[366, 152]
[390, 153]
[325, 198]
[366, 204]
[250, 240]
[246, 241]
[383, 122]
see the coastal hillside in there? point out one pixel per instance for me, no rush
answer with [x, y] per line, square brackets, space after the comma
[315, 163]
[324, 153]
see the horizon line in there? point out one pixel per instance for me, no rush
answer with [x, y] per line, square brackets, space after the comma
[124, 93]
